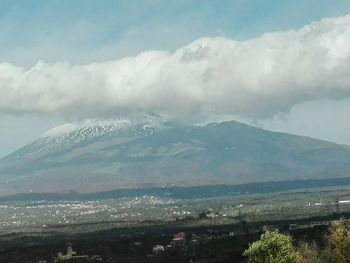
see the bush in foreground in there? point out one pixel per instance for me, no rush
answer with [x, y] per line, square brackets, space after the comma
[310, 253]
[339, 241]
[272, 247]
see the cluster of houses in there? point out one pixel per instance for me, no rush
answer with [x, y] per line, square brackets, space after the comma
[178, 242]
[71, 256]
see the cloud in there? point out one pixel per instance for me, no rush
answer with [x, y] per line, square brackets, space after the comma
[257, 78]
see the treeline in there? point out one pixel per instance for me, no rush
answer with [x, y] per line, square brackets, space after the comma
[276, 247]
[190, 192]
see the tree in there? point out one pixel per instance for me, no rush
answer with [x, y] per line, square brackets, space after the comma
[273, 247]
[339, 241]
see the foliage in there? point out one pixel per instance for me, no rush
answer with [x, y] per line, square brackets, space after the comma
[310, 253]
[273, 247]
[339, 241]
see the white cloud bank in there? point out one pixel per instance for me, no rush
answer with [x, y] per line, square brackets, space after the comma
[257, 78]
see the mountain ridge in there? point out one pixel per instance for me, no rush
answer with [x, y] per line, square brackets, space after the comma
[105, 156]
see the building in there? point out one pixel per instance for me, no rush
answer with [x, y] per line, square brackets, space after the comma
[70, 256]
[179, 240]
[180, 237]
[158, 249]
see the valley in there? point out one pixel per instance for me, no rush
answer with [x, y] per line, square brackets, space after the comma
[126, 229]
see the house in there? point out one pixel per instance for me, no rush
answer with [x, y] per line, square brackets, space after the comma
[158, 249]
[70, 256]
[180, 237]
[179, 240]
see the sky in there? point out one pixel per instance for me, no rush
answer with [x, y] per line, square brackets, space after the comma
[279, 65]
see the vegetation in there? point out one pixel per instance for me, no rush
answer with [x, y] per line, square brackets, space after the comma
[339, 241]
[310, 253]
[278, 248]
[273, 247]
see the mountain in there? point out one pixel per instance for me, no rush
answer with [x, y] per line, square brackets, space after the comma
[94, 156]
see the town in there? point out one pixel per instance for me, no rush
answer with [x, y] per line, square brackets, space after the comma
[167, 243]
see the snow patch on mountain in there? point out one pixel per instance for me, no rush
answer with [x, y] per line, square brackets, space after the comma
[85, 129]
[71, 134]
[74, 133]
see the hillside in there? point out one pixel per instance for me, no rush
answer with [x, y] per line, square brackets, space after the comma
[97, 156]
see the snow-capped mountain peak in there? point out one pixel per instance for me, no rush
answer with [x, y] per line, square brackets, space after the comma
[70, 134]
[86, 129]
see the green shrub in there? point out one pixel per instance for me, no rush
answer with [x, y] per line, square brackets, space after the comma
[273, 247]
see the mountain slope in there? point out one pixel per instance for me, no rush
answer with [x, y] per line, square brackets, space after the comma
[95, 156]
